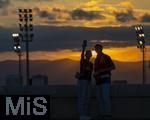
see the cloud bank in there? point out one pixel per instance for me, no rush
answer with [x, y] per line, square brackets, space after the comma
[4, 3]
[88, 13]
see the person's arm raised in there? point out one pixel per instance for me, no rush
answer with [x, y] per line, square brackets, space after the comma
[84, 44]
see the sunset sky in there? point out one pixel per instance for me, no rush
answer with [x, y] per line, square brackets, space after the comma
[61, 25]
[85, 13]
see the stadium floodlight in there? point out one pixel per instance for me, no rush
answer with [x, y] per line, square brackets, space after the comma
[26, 30]
[141, 44]
[20, 10]
[140, 36]
[17, 49]
[15, 35]
[30, 10]
[16, 40]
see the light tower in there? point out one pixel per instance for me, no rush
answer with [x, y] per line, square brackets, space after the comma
[26, 32]
[17, 49]
[141, 44]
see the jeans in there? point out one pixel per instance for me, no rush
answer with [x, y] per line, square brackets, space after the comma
[83, 89]
[104, 99]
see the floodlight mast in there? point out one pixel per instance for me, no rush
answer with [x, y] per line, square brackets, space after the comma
[26, 29]
[17, 49]
[141, 44]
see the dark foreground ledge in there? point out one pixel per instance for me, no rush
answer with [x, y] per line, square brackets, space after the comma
[128, 101]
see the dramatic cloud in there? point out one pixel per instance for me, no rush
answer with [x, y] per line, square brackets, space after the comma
[53, 15]
[83, 13]
[125, 16]
[87, 15]
[77, 17]
[4, 3]
[46, 14]
[145, 18]
[53, 38]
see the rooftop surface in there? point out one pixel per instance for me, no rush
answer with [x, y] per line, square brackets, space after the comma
[129, 102]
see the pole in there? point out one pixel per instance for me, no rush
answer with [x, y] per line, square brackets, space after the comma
[25, 17]
[141, 41]
[20, 69]
[27, 59]
[143, 65]
[27, 64]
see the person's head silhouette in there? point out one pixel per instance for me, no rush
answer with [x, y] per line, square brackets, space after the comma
[98, 48]
[88, 54]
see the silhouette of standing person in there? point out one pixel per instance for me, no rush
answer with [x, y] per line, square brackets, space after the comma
[84, 82]
[103, 65]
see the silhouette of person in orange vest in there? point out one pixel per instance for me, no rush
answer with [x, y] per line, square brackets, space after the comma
[103, 65]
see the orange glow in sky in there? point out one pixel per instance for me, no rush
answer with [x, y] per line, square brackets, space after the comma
[126, 54]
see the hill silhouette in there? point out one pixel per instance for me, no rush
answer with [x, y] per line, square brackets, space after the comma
[62, 71]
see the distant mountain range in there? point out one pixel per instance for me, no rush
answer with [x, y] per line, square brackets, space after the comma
[63, 71]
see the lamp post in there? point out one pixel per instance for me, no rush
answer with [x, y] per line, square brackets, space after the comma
[141, 44]
[17, 49]
[26, 31]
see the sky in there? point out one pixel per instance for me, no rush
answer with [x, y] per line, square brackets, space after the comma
[85, 13]
[61, 25]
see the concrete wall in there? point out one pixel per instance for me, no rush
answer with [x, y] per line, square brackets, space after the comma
[128, 101]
